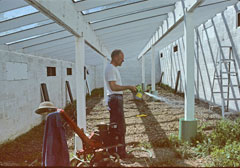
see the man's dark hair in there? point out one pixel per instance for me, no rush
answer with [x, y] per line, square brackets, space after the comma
[116, 53]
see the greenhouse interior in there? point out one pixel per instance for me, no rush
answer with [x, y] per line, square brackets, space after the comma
[120, 83]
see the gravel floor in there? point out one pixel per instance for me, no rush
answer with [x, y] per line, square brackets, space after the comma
[161, 120]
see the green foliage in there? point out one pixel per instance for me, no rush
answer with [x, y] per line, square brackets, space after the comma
[174, 140]
[222, 144]
[229, 155]
[139, 88]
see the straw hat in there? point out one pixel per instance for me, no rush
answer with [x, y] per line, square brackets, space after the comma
[46, 107]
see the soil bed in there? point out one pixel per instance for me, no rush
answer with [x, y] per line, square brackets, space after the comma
[151, 131]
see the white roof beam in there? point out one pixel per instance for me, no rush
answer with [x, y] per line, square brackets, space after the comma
[69, 39]
[56, 48]
[22, 21]
[83, 5]
[62, 51]
[129, 30]
[138, 23]
[121, 35]
[66, 15]
[41, 39]
[129, 40]
[7, 5]
[126, 37]
[147, 14]
[126, 9]
[165, 28]
[30, 32]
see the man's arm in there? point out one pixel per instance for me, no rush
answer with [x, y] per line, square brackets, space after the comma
[116, 87]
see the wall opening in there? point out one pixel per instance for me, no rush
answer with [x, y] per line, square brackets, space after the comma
[51, 71]
[161, 55]
[175, 48]
[69, 71]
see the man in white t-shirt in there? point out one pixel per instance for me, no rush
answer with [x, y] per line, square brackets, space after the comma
[115, 97]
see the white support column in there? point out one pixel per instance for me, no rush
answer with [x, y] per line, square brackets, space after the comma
[105, 87]
[188, 125]
[143, 73]
[189, 63]
[80, 83]
[153, 70]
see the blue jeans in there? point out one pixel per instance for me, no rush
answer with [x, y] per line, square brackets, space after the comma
[115, 107]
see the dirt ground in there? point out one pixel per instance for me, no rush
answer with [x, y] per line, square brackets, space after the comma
[157, 120]
[151, 131]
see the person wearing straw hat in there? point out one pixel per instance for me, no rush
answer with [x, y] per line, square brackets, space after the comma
[115, 97]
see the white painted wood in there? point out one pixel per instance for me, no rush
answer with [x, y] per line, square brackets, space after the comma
[129, 18]
[42, 39]
[55, 48]
[64, 50]
[132, 25]
[125, 37]
[29, 33]
[80, 6]
[61, 52]
[22, 21]
[126, 9]
[6, 5]
[128, 40]
[153, 75]
[33, 48]
[80, 83]
[143, 70]
[66, 15]
[128, 30]
[209, 12]
[189, 62]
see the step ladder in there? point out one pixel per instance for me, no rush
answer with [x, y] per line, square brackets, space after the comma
[225, 73]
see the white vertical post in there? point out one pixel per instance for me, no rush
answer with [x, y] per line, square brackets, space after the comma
[143, 71]
[153, 69]
[104, 82]
[80, 85]
[189, 63]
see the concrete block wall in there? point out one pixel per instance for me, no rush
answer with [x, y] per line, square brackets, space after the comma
[206, 51]
[20, 97]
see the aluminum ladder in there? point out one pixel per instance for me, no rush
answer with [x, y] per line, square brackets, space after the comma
[225, 71]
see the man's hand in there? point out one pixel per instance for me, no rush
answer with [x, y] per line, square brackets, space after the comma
[133, 88]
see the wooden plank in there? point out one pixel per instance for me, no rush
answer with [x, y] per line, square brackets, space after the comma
[69, 91]
[161, 78]
[44, 92]
[177, 81]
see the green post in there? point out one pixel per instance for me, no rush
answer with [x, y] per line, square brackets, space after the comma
[187, 129]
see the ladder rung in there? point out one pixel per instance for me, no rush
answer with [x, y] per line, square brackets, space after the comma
[220, 92]
[227, 60]
[232, 99]
[229, 72]
[226, 46]
[219, 78]
[230, 85]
